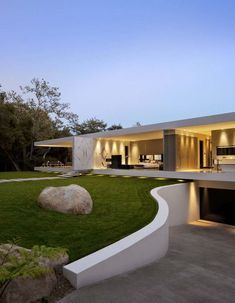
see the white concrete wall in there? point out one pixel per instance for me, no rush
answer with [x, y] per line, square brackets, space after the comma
[83, 151]
[142, 247]
[183, 202]
[133, 251]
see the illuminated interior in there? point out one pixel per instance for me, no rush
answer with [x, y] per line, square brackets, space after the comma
[166, 146]
[197, 147]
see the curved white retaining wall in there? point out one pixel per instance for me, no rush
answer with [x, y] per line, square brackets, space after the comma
[183, 202]
[136, 250]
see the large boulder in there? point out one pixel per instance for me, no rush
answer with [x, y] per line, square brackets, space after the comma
[27, 289]
[72, 199]
[31, 273]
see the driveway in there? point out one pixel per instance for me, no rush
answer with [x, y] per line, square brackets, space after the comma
[199, 267]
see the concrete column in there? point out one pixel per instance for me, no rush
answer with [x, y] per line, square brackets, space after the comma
[169, 150]
[83, 153]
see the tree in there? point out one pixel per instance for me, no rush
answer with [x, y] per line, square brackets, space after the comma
[45, 97]
[114, 127]
[73, 123]
[2, 95]
[8, 133]
[24, 121]
[34, 114]
[48, 113]
[15, 131]
[92, 125]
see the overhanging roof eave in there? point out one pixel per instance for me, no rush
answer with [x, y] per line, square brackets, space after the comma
[199, 121]
[59, 142]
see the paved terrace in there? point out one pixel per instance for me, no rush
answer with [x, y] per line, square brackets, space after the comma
[29, 179]
[199, 267]
[189, 175]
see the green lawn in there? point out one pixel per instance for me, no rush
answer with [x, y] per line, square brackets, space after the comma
[25, 174]
[121, 206]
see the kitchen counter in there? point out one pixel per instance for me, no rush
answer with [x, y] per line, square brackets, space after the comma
[227, 164]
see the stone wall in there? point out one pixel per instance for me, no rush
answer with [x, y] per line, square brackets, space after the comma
[83, 151]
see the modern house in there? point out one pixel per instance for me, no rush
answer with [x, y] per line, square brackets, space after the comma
[184, 145]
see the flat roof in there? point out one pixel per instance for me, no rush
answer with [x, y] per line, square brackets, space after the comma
[227, 120]
[198, 125]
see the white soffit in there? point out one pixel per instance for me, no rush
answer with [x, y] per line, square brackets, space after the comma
[206, 129]
[60, 142]
[136, 137]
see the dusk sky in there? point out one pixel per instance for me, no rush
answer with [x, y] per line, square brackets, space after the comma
[124, 61]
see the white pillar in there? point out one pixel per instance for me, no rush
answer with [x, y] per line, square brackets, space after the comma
[83, 153]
